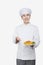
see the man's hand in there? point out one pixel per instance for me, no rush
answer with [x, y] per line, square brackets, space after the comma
[17, 39]
[32, 46]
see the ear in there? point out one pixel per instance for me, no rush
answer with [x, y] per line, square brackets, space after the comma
[30, 15]
[22, 17]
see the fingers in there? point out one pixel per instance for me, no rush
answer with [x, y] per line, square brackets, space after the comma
[17, 39]
[32, 46]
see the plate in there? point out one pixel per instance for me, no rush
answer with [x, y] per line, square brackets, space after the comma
[29, 42]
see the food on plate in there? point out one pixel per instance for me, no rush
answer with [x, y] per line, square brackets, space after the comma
[29, 43]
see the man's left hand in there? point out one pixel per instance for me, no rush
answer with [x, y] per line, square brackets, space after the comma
[32, 46]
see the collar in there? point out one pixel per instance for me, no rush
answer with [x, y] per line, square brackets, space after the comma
[26, 24]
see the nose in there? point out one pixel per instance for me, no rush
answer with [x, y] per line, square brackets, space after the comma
[25, 16]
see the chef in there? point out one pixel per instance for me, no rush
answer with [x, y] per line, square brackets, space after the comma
[26, 32]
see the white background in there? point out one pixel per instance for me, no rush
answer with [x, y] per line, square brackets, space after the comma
[9, 19]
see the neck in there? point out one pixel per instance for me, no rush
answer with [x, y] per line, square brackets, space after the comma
[26, 22]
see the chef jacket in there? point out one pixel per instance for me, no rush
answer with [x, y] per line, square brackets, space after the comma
[26, 32]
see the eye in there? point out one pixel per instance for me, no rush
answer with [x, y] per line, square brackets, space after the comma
[27, 14]
[23, 15]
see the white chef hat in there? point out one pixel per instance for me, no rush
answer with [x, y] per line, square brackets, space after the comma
[25, 11]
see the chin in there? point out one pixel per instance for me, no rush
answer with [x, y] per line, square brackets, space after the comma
[26, 22]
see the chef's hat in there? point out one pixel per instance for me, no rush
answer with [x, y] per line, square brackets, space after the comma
[25, 11]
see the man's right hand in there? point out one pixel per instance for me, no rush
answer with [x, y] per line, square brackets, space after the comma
[17, 39]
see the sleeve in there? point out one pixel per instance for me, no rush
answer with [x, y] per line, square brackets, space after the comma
[36, 37]
[15, 34]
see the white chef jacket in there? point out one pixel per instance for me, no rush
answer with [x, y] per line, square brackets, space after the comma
[26, 32]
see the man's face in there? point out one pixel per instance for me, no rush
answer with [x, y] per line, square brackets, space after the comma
[26, 17]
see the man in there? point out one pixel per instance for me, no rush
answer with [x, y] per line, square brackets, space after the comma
[26, 32]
